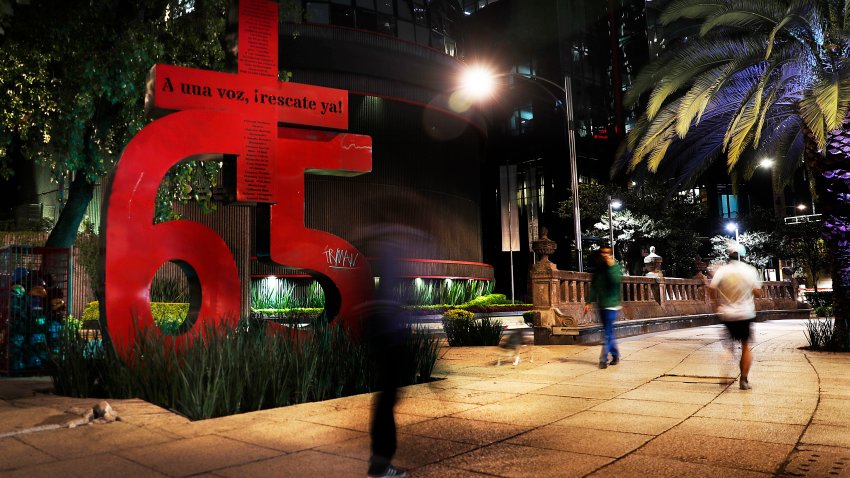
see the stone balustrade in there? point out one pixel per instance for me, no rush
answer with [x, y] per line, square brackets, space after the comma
[559, 298]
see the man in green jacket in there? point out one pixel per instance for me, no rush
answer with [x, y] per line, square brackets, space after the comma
[605, 290]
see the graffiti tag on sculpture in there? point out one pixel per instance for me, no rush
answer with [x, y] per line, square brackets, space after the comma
[235, 116]
[341, 258]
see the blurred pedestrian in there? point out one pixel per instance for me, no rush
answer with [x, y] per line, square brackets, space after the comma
[734, 287]
[391, 240]
[605, 290]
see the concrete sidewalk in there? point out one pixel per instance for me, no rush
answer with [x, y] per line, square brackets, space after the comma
[660, 412]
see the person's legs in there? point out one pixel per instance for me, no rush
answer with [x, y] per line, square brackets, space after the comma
[609, 345]
[383, 431]
[612, 339]
[603, 355]
[740, 331]
[387, 356]
[746, 359]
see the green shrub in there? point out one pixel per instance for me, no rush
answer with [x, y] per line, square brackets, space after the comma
[169, 289]
[486, 300]
[458, 314]
[487, 331]
[463, 329]
[457, 324]
[819, 298]
[167, 316]
[528, 317]
[233, 370]
[451, 292]
[823, 311]
[820, 333]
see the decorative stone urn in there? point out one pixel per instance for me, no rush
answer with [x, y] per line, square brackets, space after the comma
[544, 247]
[652, 263]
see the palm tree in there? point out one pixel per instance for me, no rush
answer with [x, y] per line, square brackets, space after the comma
[771, 76]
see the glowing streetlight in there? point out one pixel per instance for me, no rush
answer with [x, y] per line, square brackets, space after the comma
[612, 204]
[479, 82]
[766, 163]
[733, 226]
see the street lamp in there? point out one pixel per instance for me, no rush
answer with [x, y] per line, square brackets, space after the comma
[479, 82]
[612, 204]
[733, 226]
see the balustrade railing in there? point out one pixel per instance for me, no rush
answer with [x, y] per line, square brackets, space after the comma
[559, 297]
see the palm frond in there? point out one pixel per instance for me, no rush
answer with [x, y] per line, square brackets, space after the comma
[693, 9]
[826, 96]
[696, 99]
[760, 74]
[698, 58]
[658, 131]
[772, 37]
[746, 93]
[845, 24]
[750, 15]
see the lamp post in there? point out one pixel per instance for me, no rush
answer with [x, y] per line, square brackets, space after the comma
[612, 204]
[479, 82]
[733, 226]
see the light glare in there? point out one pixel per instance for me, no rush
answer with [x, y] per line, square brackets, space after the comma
[478, 82]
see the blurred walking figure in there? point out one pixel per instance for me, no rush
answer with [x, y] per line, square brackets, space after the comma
[735, 285]
[390, 243]
[605, 290]
[511, 345]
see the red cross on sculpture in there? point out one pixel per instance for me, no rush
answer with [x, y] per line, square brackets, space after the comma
[236, 116]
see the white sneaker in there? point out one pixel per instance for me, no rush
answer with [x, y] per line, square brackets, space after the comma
[390, 472]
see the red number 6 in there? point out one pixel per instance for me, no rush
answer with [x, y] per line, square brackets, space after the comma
[135, 248]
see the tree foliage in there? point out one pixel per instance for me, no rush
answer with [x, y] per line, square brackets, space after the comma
[762, 76]
[650, 217]
[803, 243]
[72, 76]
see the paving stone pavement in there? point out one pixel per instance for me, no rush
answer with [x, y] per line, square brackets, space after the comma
[665, 410]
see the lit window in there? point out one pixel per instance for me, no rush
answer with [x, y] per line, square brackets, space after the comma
[520, 120]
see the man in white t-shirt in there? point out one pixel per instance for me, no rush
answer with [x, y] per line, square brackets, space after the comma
[735, 285]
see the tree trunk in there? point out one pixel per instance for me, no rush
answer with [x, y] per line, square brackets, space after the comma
[831, 171]
[80, 194]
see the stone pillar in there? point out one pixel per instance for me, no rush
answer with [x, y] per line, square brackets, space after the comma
[544, 280]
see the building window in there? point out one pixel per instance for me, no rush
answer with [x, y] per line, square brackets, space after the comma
[527, 68]
[420, 15]
[317, 13]
[451, 47]
[471, 6]
[520, 121]
[727, 202]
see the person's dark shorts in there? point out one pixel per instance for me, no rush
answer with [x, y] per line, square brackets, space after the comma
[739, 329]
